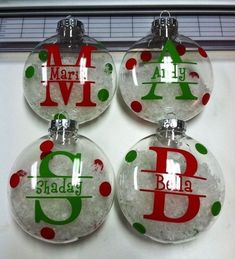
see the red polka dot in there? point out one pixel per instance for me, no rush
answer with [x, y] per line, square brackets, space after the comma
[130, 63]
[47, 233]
[181, 49]
[136, 106]
[44, 154]
[99, 164]
[14, 180]
[105, 189]
[205, 98]
[194, 74]
[202, 52]
[146, 56]
[46, 146]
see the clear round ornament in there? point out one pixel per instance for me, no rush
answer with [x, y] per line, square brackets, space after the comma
[69, 72]
[170, 187]
[166, 72]
[61, 186]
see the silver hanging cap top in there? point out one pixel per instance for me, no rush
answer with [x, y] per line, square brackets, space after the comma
[172, 124]
[70, 27]
[165, 26]
[62, 125]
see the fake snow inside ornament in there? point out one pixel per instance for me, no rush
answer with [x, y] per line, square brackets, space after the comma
[164, 73]
[61, 186]
[69, 72]
[170, 187]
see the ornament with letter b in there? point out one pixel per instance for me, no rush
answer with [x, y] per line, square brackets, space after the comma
[170, 187]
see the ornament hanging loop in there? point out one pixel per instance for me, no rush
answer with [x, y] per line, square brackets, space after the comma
[165, 11]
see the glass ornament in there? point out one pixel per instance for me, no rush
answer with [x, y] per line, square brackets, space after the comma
[170, 187]
[69, 72]
[61, 186]
[166, 73]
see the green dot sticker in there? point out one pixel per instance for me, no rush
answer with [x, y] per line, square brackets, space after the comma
[108, 68]
[131, 156]
[59, 116]
[201, 149]
[103, 95]
[139, 227]
[216, 208]
[43, 55]
[29, 72]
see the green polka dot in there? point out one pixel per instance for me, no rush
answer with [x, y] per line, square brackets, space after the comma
[43, 55]
[29, 72]
[108, 68]
[216, 208]
[201, 149]
[139, 227]
[59, 116]
[131, 156]
[103, 95]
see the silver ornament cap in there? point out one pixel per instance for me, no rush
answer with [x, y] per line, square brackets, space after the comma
[165, 26]
[63, 131]
[172, 124]
[70, 27]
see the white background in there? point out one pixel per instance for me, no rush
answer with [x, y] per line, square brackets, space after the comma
[116, 131]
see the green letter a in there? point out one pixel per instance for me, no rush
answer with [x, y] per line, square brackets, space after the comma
[169, 50]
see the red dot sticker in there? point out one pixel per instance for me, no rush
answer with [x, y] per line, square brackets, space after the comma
[47, 233]
[146, 56]
[136, 106]
[205, 98]
[46, 146]
[14, 180]
[131, 63]
[181, 49]
[99, 165]
[105, 189]
[194, 74]
[202, 52]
